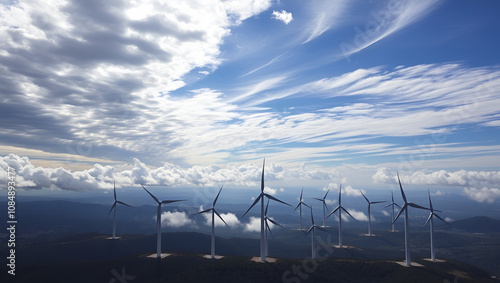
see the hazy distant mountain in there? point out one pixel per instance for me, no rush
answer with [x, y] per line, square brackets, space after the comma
[478, 224]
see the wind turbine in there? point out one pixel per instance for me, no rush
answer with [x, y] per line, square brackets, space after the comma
[299, 206]
[405, 209]
[433, 255]
[268, 228]
[323, 200]
[158, 221]
[262, 214]
[369, 216]
[311, 229]
[340, 208]
[114, 208]
[392, 204]
[212, 254]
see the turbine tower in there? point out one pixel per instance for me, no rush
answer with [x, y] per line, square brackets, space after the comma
[299, 206]
[392, 204]
[405, 209]
[158, 221]
[433, 255]
[212, 254]
[311, 230]
[268, 228]
[369, 216]
[261, 199]
[325, 207]
[114, 214]
[340, 208]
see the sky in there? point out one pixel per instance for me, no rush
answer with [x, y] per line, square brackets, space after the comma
[198, 93]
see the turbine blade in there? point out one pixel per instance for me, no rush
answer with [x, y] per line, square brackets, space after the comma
[217, 196]
[309, 231]
[321, 228]
[267, 206]
[335, 210]
[430, 201]
[114, 188]
[121, 202]
[326, 194]
[440, 218]
[254, 203]
[301, 192]
[113, 206]
[201, 212]
[340, 195]
[326, 206]
[262, 180]
[417, 206]
[397, 205]
[275, 199]
[428, 219]
[389, 205]
[312, 216]
[401, 187]
[171, 201]
[268, 228]
[220, 217]
[320, 199]
[399, 213]
[274, 222]
[297, 206]
[373, 202]
[155, 198]
[364, 196]
[348, 213]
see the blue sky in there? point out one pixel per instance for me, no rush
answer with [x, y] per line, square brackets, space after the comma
[197, 93]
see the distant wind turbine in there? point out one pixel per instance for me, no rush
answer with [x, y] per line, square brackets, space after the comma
[267, 219]
[340, 208]
[158, 221]
[323, 200]
[392, 204]
[114, 208]
[261, 198]
[311, 230]
[212, 254]
[369, 216]
[433, 255]
[299, 206]
[407, 231]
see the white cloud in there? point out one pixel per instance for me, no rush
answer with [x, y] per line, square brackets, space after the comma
[385, 213]
[175, 219]
[360, 216]
[449, 220]
[441, 177]
[438, 193]
[230, 218]
[253, 225]
[488, 195]
[270, 191]
[283, 16]
[393, 18]
[324, 15]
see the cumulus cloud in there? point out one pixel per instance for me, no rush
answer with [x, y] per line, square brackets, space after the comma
[360, 216]
[283, 16]
[385, 213]
[253, 225]
[270, 191]
[442, 177]
[102, 177]
[488, 195]
[175, 219]
[230, 218]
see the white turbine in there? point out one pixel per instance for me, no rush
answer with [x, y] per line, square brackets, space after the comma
[268, 228]
[433, 255]
[114, 208]
[323, 200]
[311, 229]
[340, 208]
[392, 204]
[261, 198]
[369, 216]
[405, 209]
[299, 206]
[212, 254]
[158, 221]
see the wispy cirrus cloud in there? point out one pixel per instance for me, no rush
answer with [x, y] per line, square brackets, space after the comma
[393, 17]
[324, 15]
